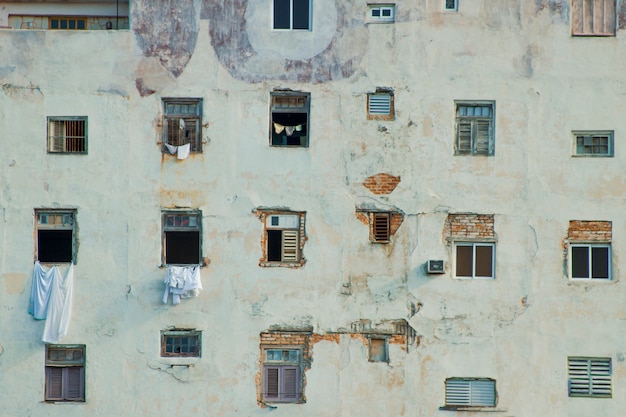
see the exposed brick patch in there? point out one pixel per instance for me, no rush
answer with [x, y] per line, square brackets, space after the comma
[469, 226]
[382, 183]
[362, 217]
[396, 221]
[590, 231]
[367, 218]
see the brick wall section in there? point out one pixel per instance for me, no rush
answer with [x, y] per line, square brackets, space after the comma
[469, 226]
[396, 221]
[590, 231]
[381, 184]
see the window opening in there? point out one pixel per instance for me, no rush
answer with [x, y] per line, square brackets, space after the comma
[593, 18]
[452, 5]
[470, 392]
[282, 375]
[475, 128]
[380, 105]
[292, 14]
[283, 238]
[590, 261]
[184, 343]
[182, 238]
[182, 123]
[378, 350]
[289, 116]
[381, 13]
[380, 227]
[65, 373]
[589, 377]
[475, 260]
[593, 143]
[67, 134]
[55, 236]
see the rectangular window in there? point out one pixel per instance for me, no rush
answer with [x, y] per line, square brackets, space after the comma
[593, 18]
[65, 373]
[381, 13]
[292, 14]
[378, 349]
[594, 143]
[67, 134]
[475, 260]
[475, 126]
[470, 392]
[590, 261]
[282, 238]
[182, 238]
[451, 5]
[67, 23]
[380, 227]
[282, 381]
[182, 124]
[185, 343]
[289, 115]
[380, 105]
[589, 377]
[56, 240]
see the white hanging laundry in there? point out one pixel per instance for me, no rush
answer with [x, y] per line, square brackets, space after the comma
[181, 124]
[171, 148]
[289, 130]
[40, 291]
[183, 151]
[182, 281]
[278, 128]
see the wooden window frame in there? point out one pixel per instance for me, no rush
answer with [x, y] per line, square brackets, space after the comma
[474, 245]
[374, 107]
[292, 14]
[585, 23]
[290, 239]
[590, 136]
[180, 334]
[285, 388]
[462, 393]
[589, 377]
[590, 261]
[380, 227]
[375, 12]
[166, 215]
[69, 141]
[180, 123]
[41, 226]
[69, 371]
[476, 125]
[284, 106]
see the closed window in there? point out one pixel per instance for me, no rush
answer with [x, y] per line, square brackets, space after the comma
[451, 5]
[65, 373]
[475, 126]
[289, 115]
[589, 377]
[470, 392]
[56, 240]
[182, 124]
[67, 23]
[282, 381]
[67, 134]
[381, 13]
[184, 343]
[378, 349]
[474, 260]
[588, 143]
[593, 17]
[182, 237]
[590, 261]
[380, 105]
[292, 14]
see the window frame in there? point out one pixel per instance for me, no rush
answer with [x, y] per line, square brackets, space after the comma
[279, 110]
[373, 109]
[171, 119]
[51, 138]
[577, 378]
[68, 19]
[582, 16]
[287, 258]
[281, 366]
[380, 232]
[165, 229]
[56, 227]
[473, 245]
[591, 134]
[372, 7]
[371, 355]
[476, 123]
[456, 405]
[590, 257]
[179, 334]
[51, 365]
[454, 8]
[292, 19]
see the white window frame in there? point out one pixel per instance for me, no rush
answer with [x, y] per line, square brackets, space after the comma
[473, 245]
[589, 377]
[289, 225]
[470, 393]
[588, 136]
[282, 366]
[372, 8]
[176, 341]
[454, 8]
[291, 16]
[590, 247]
[476, 125]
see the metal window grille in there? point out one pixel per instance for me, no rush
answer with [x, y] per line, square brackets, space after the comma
[589, 377]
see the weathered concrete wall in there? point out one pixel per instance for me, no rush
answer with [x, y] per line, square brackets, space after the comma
[518, 329]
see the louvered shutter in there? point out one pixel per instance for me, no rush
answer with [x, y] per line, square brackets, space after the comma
[271, 379]
[74, 383]
[470, 392]
[290, 246]
[56, 138]
[589, 377]
[290, 383]
[54, 383]
[380, 226]
[483, 136]
[464, 136]
[379, 104]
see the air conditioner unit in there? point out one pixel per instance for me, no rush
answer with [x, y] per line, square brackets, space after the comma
[435, 266]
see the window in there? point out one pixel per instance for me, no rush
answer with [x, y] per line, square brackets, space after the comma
[67, 134]
[475, 128]
[381, 13]
[378, 349]
[593, 143]
[380, 227]
[380, 105]
[475, 260]
[292, 14]
[290, 119]
[593, 18]
[451, 5]
[67, 23]
[56, 240]
[282, 237]
[182, 123]
[590, 261]
[282, 380]
[181, 237]
[470, 392]
[184, 343]
[589, 377]
[65, 373]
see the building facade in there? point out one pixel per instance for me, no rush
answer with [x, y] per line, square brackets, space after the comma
[409, 209]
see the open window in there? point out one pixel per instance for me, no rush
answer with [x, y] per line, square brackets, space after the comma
[289, 115]
[65, 373]
[182, 237]
[182, 125]
[56, 236]
[67, 134]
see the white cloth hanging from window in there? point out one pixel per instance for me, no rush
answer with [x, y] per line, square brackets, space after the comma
[171, 148]
[182, 282]
[40, 291]
[183, 151]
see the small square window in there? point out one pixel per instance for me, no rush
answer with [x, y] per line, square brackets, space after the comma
[56, 236]
[292, 14]
[451, 5]
[378, 350]
[589, 377]
[185, 343]
[470, 392]
[381, 13]
[380, 105]
[182, 124]
[182, 237]
[67, 134]
[65, 373]
[474, 260]
[593, 143]
[282, 238]
[593, 18]
[590, 261]
[289, 115]
[475, 126]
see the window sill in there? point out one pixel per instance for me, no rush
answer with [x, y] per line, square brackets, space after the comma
[469, 408]
[267, 264]
[188, 361]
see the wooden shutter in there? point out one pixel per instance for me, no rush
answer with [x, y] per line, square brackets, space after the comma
[593, 17]
[54, 383]
[74, 383]
[290, 383]
[290, 246]
[483, 137]
[56, 136]
[270, 386]
[464, 136]
[381, 227]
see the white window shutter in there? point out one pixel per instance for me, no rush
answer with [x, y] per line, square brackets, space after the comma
[470, 392]
[57, 136]
[290, 246]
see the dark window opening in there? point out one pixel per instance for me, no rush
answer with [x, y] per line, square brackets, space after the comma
[182, 247]
[464, 259]
[54, 245]
[274, 245]
[292, 129]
